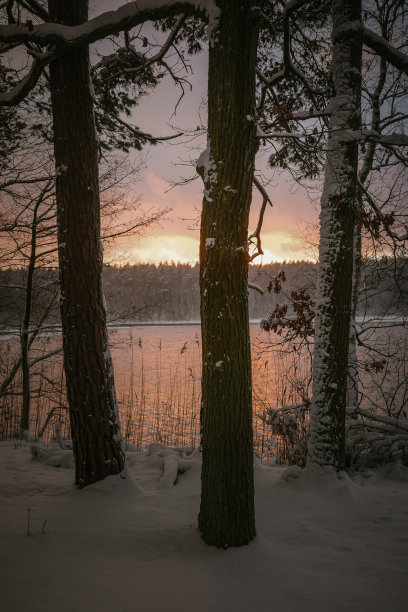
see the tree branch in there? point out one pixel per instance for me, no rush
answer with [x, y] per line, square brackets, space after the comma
[19, 92]
[257, 233]
[386, 50]
[110, 22]
[143, 135]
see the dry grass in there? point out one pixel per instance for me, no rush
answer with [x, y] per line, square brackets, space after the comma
[159, 396]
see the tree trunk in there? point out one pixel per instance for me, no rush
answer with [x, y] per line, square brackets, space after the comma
[24, 340]
[95, 429]
[337, 221]
[352, 382]
[227, 498]
[364, 172]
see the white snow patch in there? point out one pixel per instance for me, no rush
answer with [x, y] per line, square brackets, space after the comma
[207, 165]
[329, 544]
[259, 132]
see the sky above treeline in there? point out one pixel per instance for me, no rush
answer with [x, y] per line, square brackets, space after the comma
[177, 239]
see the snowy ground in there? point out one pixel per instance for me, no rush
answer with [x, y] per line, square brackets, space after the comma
[125, 545]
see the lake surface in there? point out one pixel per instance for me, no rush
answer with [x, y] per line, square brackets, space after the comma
[158, 380]
[158, 384]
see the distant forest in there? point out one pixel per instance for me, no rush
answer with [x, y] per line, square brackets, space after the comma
[170, 292]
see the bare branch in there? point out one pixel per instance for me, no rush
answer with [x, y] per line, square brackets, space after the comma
[257, 233]
[393, 235]
[36, 8]
[143, 135]
[46, 356]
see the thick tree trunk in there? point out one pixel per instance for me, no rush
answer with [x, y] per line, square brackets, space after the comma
[96, 437]
[227, 499]
[337, 221]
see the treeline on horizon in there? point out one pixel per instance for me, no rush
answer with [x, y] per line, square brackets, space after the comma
[146, 292]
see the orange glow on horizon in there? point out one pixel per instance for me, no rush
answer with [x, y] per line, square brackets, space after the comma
[183, 248]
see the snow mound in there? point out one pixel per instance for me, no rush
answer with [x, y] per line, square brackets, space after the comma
[52, 455]
[174, 461]
[317, 480]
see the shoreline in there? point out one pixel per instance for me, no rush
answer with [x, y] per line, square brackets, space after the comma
[56, 329]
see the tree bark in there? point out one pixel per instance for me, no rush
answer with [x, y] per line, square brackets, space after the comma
[227, 497]
[95, 429]
[337, 221]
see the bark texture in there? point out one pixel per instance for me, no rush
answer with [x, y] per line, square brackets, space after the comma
[227, 498]
[337, 222]
[97, 442]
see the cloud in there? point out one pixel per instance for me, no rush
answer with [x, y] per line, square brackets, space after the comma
[157, 185]
[278, 246]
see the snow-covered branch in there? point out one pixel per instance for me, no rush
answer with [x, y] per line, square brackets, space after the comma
[63, 37]
[19, 91]
[383, 418]
[396, 139]
[256, 287]
[289, 135]
[174, 461]
[310, 114]
[386, 50]
[108, 23]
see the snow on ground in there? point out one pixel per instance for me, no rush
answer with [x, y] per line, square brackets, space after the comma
[323, 545]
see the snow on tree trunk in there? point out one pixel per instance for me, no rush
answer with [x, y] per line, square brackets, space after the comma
[227, 497]
[337, 222]
[96, 437]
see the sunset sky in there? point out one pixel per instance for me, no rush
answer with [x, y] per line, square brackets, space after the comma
[177, 238]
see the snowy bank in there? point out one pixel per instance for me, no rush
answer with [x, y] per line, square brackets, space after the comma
[323, 544]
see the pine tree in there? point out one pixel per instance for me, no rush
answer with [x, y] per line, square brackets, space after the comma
[93, 409]
[227, 496]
